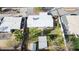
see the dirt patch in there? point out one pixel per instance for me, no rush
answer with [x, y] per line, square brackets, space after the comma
[8, 43]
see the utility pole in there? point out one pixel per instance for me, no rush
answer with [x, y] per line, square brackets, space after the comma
[25, 35]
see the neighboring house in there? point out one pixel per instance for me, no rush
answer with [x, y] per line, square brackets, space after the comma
[9, 24]
[70, 24]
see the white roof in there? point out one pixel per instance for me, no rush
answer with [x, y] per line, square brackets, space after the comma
[73, 23]
[41, 21]
[42, 42]
[10, 23]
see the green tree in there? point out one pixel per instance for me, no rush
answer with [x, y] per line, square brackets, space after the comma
[18, 35]
[34, 33]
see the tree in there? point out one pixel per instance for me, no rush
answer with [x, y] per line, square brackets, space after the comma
[34, 33]
[18, 35]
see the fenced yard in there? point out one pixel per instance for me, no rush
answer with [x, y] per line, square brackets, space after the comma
[54, 37]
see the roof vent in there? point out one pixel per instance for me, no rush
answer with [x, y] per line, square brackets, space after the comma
[36, 18]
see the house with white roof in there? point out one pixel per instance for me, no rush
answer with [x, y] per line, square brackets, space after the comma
[9, 23]
[71, 24]
[42, 20]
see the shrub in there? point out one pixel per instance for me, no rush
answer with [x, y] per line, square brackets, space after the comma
[76, 44]
[18, 35]
[34, 33]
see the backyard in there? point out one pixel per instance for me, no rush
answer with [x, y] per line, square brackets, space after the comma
[56, 41]
[54, 37]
